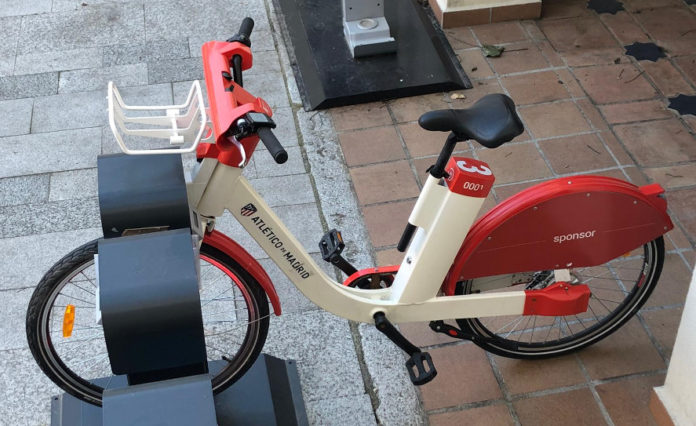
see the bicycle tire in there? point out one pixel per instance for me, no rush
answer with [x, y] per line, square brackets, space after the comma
[58, 367]
[585, 333]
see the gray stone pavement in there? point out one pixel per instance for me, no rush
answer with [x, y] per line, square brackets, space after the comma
[56, 58]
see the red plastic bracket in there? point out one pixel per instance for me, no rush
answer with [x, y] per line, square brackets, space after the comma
[558, 299]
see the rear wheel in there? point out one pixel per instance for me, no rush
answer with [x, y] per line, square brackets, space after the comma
[235, 320]
[619, 288]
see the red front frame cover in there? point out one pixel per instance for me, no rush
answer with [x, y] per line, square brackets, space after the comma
[567, 222]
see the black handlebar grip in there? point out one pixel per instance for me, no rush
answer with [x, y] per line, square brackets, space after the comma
[246, 27]
[273, 145]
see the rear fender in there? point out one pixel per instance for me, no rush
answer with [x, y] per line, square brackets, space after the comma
[228, 246]
[568, 222]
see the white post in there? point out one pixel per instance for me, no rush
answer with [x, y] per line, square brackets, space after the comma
[677, 395]
[365, 28]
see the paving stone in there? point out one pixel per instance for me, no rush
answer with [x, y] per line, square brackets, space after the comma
[42, 218]
[23, 190]
[371, 146]
[69, 111]
[663, 325]
[658, 143]
[73, 184]
[173, 18]
[614, 83]
[152, 51]
[572, 408]
[6, 65]
[576, 154]
[175, 70]
[567, 119]
[181, 90]
[88, 27]
[491, 415]
[291, 299]
[26, 392]
[18, 8]
[98, 78]
[16, 116]
[635, 111]
[384, 182]
[229, 226]
[9, 33]
[68, 5]
[625, 399]
[386, 367]
[286, 130]
[28, 86]
[26, 259]
[514, 163]
[33, 63]
[49, 152]
[523, 376]
[14, 320]
[285, 190]
[266, 165]
[321, 344]
[270, 87]
[519, 57]
[344, 411]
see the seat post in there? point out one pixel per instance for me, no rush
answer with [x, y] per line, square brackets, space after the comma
[438, 170]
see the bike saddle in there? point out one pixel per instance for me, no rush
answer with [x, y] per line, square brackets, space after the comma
[491, 121]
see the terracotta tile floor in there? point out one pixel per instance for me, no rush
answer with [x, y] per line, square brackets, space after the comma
[587, 108]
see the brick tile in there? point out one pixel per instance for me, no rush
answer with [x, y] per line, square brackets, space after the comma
[519, 57]
[663, 325]
[690, 121]
[570, 83]
[576, 154]
[579, 33]
[360, 116]
[626, 351]
[674, 280]
[460, 38]
[480, 89]
[672, 177]
[421, 142]
[384, 182]
[515, 12]
[507, 191]
[691, 258]
[618, 150]
[535, 87]
[626, 401]
[558, 9]
[589, 57]
[670, 27]
[500, 32]
[491, 415]
[635, 176]
[532, 29]
[514, 163]
[667, 78]
[421, 165]
[410, 109]
[624, 27]
[553, 58]
[474, 63]
[385, 222]
[688, 65]
[421, 335]
[389, 257]
[635, 111]
[683, 204]
[592, 114]
[469, 378]
[639, 5]
[657, 143]
[571, 408]
[614, 83]
[371, 146]
[556, 119]
[522, 376]
[677, 239]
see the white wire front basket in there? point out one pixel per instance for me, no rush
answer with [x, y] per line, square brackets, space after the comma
[183, 125]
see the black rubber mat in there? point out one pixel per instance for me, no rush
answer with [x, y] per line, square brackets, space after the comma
[645, 51]
[605, 6]
[683, 104]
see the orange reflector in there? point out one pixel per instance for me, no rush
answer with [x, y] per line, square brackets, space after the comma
[627, 254]
[68, 320]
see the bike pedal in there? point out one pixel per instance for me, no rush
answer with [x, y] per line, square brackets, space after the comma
[331, 246]
[416, 366]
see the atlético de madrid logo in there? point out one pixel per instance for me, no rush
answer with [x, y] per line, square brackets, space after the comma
[248, 210]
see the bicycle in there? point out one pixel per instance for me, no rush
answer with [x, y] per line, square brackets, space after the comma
[553, 269]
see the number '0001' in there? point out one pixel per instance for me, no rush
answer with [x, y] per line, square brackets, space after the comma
[473, 186]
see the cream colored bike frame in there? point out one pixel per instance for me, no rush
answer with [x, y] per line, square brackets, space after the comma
[443, 219]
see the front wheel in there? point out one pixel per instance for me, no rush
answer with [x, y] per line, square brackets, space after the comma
[619, 288]
[235, 321]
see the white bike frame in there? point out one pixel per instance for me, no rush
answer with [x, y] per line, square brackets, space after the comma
[443, 219]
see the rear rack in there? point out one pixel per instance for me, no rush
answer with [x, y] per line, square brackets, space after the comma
[182, 124]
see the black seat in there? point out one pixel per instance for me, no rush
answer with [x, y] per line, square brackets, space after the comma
[491, 121]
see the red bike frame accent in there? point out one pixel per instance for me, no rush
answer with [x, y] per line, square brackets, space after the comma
[371, 271]
[228, 101]
[568, 222]
[228, 246]
[558, 299]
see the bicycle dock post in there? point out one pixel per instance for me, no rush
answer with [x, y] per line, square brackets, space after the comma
[150, 310]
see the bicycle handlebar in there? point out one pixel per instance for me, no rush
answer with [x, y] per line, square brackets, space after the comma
[273, 145]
